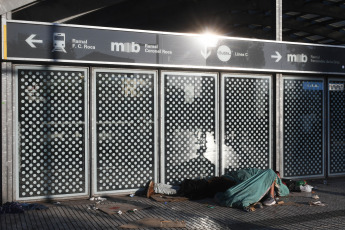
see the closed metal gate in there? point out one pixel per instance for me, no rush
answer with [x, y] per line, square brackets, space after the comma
[336, 137]
[189, 126]
[303, 127]
[52, 128]
[246, 127]
[51, 132]
[124, 153]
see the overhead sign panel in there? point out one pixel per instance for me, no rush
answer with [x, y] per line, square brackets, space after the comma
[71, 43]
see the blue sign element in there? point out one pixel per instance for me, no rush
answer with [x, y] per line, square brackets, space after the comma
[312, 85]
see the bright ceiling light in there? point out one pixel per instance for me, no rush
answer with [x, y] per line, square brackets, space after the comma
[209, 40]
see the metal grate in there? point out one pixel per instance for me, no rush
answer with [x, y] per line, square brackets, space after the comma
[190, 136]
[295, 213]
[246, 138]
[51, 132]
[125, 129]
[336, 127]
[303, 128]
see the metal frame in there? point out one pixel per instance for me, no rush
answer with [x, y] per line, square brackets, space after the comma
[281, 124]
[162, 121]
[94, 134]
[15, 130]
[7, 135]
[329, 130]
[279, 87]
[279, 20]
[169, 66]
[240, 75]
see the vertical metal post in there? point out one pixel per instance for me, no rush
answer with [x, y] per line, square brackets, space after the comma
[279, 123]
[278, 82]
[279, 20]
[6, 128]
[326, 134]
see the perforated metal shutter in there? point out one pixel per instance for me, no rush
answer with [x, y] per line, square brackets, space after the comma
[303, 147]
[125, 129]
[189, 136]
[52, 114]
[246, 122]
[336, 160]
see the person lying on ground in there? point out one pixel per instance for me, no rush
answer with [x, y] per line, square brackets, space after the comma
[235, 189]
[193, 189]
[252, 185]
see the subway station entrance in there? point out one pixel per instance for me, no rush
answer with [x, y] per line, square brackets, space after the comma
[104, 111]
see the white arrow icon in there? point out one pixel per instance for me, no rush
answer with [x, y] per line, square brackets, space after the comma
[30, 40]
[278, 56]
[205, 54]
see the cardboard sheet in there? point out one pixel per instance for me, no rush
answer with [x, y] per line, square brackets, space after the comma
[155, 223]
[165, 198]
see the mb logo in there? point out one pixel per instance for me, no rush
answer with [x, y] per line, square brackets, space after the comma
[128, 47]
[297, 58]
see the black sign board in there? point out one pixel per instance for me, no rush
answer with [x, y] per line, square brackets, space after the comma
[71, 43]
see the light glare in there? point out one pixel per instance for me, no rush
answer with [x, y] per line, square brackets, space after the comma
[209, 40]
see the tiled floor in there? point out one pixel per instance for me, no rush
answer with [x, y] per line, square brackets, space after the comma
[202, 214]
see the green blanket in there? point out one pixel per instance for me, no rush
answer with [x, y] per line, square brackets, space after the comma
[252, 185]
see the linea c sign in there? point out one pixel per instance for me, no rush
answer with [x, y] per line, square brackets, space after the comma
[31, 41]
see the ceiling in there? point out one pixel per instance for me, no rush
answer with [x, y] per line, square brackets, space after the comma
[311, 21]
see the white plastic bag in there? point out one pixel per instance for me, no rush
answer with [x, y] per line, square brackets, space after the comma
[306, 188]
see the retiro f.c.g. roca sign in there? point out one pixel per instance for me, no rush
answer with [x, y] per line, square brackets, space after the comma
[32, 41]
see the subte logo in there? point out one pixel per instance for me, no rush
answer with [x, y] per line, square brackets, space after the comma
[128, 47]
[224, 53]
